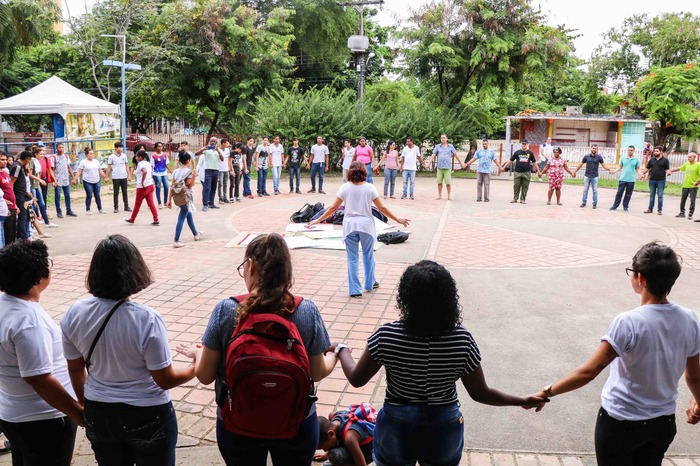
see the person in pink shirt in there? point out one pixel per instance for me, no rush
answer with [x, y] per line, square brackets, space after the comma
[390, 159]
[365, 154]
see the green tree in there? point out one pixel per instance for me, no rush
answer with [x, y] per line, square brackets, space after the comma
[671, 97]
[464, 45]
[24, 23]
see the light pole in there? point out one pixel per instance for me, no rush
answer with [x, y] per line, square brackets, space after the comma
[124, 66]
[359, 44]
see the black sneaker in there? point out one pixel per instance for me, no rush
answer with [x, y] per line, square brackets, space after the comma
[583, 205]
[156, 223]
[127, 209]
[297, 191]
[59, 215]
[266, 194]
[212, 206]
[116, 211]
[70, 213]
[375, 286]
[322, 192]
[681, 215]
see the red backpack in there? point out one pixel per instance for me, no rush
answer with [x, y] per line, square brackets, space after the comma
[270, 388]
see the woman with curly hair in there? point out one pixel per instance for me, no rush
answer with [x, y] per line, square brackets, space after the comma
[424, 353]
[267, 273]
[38, 412]
[556, 165]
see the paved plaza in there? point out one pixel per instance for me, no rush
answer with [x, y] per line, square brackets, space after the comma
[539, 285]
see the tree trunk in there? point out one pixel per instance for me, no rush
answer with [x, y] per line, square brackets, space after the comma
[214, 123]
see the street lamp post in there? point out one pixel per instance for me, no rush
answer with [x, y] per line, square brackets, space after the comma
[123, 65]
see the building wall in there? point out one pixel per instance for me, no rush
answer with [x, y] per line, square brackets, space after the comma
[633, 134]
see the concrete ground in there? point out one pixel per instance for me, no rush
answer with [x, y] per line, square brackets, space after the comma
[538, 284]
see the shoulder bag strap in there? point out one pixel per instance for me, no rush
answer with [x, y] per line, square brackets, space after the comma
[99, 334]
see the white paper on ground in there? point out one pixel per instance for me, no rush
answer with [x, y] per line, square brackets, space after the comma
[294, 229]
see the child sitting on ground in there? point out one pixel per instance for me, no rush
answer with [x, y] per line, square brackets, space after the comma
[346, 436]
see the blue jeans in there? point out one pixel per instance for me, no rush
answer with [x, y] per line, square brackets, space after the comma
[124, 434]
[276, 174]
[352, 242]
[238, 450]
[656, 187]
[211, 179]
[406, 434]
[57, 194]
[48, 441]
[390, 179]
[317, 168]
[246, 183]
[90, 190]
[36, 192]
[184, 214]
[161, 180]
[409, 176]
[2, 231]
[590, 182]
[626, 188]
[23, 230]
[294, 173]
[368, 166]
[262, 180]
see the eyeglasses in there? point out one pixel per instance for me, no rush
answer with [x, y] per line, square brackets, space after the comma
[50, 263]
[241, 269]
[630, 271]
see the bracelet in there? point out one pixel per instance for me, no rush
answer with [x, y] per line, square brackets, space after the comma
[339, 347]
[548, 391]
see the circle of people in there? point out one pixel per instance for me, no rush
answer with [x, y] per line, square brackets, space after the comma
[108, 368]
[25, 181]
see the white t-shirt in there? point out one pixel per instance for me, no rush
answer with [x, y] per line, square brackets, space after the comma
[358, 208]
[133, 342]
[118, 164]
[319, 153]
[91, 170]
[547, 152]
[410, 157]
[223, 165]
[653, 343]
[263, 156]
[348, 154]
[140, 168]
[276, 154]
[200, 168]
[4, 211]
[31, 345]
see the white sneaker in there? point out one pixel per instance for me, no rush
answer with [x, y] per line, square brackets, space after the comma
[102, 211]
[51, 225]
[160, 207]
[88, 213]
[44, 235]
[199, 235]
[178, 244]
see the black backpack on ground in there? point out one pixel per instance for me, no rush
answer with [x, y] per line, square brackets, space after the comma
[377, 213]
[306, 213]
[393, 237]
[338, 216]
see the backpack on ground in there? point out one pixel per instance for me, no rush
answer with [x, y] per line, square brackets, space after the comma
[268, 377]
[393, 237]
[364, 415]
[377, 213]
[338, 216]
[306, 213]
[318, 214]
[181, 194]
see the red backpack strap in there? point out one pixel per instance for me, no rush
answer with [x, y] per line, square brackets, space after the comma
[242, 297]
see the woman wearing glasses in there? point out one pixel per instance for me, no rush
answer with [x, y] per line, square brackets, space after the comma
[648, 349]
[267, 273]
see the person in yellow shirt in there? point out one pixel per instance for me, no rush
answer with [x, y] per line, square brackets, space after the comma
[690, 184]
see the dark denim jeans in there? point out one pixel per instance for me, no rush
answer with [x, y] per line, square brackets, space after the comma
[211, 180]
[122, 434]
[656, 187]
[632, 443]
[36, 192]
[262, 180]
[237, 450]
[90, 190]
[66, 195]
[41, 443]
[246, 184]
[406, 434]
[294, 174]
[626, 188]
[317, 168]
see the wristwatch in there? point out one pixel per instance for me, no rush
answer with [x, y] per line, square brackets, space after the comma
[339, 347]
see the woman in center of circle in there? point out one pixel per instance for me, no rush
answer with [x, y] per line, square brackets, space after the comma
[267, 272]
[424, 353]
[119, 362]
[358, 225]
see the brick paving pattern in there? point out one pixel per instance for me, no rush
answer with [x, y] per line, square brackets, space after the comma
[190, 281]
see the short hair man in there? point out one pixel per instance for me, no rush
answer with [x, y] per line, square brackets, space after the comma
[629, 171]
[524, 162]
[590, 179]
[446, 155]
[410, 155]
[691, 181]
[213, 156]
[117, 166]
[319, 164]
[295, 156]
[658, 168]
[485, 158]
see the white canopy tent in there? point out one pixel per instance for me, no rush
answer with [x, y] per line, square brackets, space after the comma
[55, 96]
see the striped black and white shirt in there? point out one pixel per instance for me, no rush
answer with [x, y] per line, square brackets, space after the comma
[423, 370]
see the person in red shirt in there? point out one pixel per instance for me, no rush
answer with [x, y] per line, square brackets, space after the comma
[10, 224]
